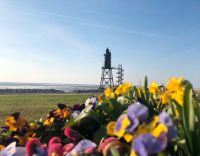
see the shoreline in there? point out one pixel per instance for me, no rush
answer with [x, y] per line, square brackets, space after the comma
[45, 91]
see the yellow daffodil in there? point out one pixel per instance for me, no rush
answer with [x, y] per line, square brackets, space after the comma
[110, 128]
[165, 98]
[178, 96]
[119, 90]
[153, 88]
[174, 84]
[127, 87]
[109, 93]
[177, 113]
[100, 99]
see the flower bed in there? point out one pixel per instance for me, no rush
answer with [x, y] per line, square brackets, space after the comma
[127, 120]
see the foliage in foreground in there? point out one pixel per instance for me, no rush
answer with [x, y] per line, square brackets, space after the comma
[127, 120]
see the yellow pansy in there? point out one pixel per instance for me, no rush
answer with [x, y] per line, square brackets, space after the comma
[133, 153]
[121, 126]
[110, 127]
[11, 123]
[33, 126]
[142, 129]
[128, 137]
[154, 122]
[161, 128]
[15, 122]
[49, 122]
[153, 88]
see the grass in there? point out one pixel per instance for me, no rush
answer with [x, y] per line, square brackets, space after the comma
[34, 106]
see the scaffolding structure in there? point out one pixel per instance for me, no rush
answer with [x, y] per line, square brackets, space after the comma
[120, 74]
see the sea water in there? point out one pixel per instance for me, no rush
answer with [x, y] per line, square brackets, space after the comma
[63, 87]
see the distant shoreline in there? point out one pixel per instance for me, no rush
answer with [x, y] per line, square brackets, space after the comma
[46, 91]
[30, 91]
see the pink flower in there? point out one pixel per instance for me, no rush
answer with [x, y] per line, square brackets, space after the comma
[54, 140]
[55, 149]
[71, 134]
[31, 146]
[109, 143]
[68, 147]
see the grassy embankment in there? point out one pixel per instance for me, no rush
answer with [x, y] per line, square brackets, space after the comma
[34, 106]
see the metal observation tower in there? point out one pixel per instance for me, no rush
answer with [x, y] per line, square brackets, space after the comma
[107, 75]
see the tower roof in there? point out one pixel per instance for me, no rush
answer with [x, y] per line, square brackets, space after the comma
[107, 50]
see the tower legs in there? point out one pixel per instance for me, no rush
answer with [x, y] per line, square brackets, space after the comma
[106, 79]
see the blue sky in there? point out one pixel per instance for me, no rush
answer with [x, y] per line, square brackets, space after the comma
[64, 41]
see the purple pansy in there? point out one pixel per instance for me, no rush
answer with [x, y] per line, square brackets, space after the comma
[172, 130]
[147, 144]
[134, 122]
[119, 124]
[137, 112]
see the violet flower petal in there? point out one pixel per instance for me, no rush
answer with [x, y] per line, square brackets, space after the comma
[140, 111]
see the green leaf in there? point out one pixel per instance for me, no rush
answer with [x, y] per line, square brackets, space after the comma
[116, 107]
[88, 112]
[146, 83]
[135, 89]
[107, 110]
[179, 108]
[188, 117]
[188, 108]
[143, 97]
[146, 90]
[100, 134]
